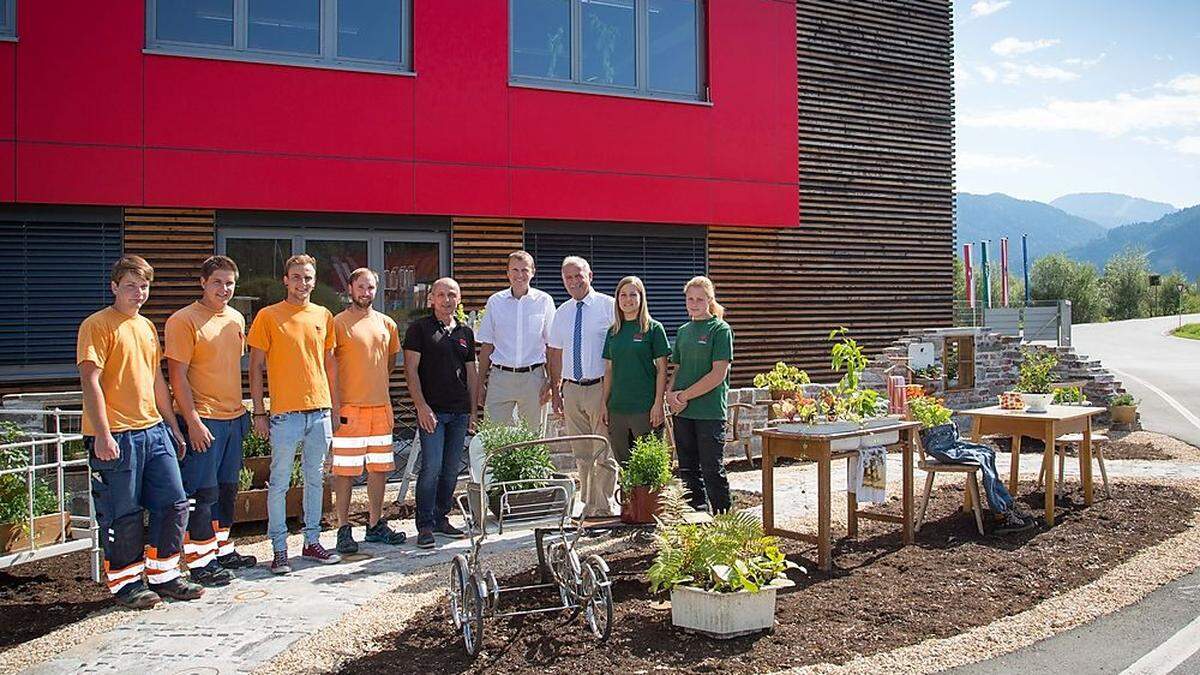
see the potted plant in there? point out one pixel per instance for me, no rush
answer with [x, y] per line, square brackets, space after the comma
[256, 456]
[782, 381]
[933, 415]
[1123, 409]
[722, 575]
[16, 532]
[1034, 381]
[527, 468]
[1069, 396]
[643, 477]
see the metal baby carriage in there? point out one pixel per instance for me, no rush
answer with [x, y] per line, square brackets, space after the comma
[582, 583]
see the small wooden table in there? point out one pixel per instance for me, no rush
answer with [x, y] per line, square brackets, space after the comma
[816, 447]
[1056, 421]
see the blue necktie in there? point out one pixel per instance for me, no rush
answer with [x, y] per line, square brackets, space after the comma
[577, 343]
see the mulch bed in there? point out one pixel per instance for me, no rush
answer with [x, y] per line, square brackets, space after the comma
[880, 595]
[38, 597]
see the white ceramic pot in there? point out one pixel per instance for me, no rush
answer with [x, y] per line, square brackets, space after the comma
[725, 615]
[1037, 403]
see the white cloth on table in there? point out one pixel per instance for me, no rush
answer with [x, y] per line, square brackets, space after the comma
[868, 475]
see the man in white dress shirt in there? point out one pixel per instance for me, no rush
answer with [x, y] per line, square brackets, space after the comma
[576, 372]
[512, 351]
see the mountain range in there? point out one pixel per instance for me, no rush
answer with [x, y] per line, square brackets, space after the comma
[1170, 237]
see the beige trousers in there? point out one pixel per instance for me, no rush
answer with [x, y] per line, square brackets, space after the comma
[594, 461]
[520, 392]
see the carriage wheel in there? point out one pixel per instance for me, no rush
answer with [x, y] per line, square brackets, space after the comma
[558, 560]
[493, 591]
[472, 626]
[458, 589]
[598, 604]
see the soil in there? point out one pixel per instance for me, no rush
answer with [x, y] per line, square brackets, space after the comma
[879, 596]
[1142, 447]
[38, 597]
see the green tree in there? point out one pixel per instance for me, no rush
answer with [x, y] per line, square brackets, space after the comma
[1127, 285]
[1016, 289]
[1057, 277]
[1168, 296]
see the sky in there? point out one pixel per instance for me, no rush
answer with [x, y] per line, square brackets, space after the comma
[1062, 96]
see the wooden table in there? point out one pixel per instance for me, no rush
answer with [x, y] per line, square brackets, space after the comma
[816, 447]
[1056, 421]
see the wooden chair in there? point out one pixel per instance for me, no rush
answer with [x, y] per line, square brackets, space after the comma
[1060, 446]
[932, 467]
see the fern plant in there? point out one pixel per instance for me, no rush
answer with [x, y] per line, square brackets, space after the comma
[649, 464]
[727, 555]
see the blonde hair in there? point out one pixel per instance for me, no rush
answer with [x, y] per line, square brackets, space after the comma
[705, 283]
[643, 317]
[298, 260]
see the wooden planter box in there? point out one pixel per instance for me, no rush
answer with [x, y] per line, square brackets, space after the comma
[251, 505]
[260, 467]
[46, 531]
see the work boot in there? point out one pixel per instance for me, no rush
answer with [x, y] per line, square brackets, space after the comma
[382, 534]
[425, 539]
[178, 589]
[1013, 522]
[345, 540]
[445, 528]
[212, 574]
[136, 596]
[235, 560]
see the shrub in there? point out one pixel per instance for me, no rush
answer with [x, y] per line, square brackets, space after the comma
[1123, 399]
[245, 479]
[530, 463]
[782, 377]
[929, 411]
[649, 464]
[254, 445]
[1036, 366]
[14, 496]
[1068, 395]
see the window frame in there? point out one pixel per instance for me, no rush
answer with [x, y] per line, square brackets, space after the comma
[641, 88]
[8, 22]
[327, 56]
[964, 362]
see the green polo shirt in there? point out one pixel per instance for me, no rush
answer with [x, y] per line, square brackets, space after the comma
[697, 345]
[633, 352]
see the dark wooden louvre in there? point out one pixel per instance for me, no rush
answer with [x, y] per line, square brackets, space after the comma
[664, 262]
[175, 242]
[54, 272]
[874, 248]
[479, 254]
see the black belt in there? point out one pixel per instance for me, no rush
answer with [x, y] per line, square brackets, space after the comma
[586, 383]
[523, 369]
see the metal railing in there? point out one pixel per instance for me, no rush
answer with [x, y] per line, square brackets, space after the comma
[49, 450]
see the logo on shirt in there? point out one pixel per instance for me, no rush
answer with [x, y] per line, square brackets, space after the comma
[462, 342]
[637, 337]
[703, 339]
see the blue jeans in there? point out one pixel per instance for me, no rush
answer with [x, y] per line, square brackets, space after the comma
[307, 434]
[210, 479]
[441, 459]
[943, 443]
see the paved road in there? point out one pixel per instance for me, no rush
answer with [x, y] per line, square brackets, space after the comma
[1162, 371]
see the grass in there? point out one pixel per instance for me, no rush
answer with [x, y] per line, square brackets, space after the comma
[1188, 330]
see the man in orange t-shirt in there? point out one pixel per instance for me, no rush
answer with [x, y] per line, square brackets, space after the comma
[205, 342]
[133, 444]
[295, 339]
[367, 344]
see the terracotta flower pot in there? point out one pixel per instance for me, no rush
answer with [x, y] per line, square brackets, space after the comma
[639, 505]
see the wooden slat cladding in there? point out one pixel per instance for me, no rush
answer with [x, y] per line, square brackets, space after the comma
[175, 242]
[874, 250]
[479, 254]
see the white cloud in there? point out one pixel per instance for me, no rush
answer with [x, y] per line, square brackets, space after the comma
[1188, 145]
[1175, 106]
[988, 73]
[1015, 72]
[962, 76]
[1085, 63]
[986, 7]
[983, 160]
[1011, 46]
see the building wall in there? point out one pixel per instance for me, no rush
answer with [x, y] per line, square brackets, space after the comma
[87, 118]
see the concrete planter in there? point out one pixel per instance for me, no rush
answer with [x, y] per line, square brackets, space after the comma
[1037, 403]
[725, 615]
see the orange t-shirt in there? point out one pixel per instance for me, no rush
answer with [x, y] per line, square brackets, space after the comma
[211, 344]
[366, 349]
[126, 350]
[295, 339]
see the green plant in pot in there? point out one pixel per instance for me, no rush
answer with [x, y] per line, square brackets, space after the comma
[524, 469]
[722, 575]
[256, 456]
[1123, 409]
[1069, 396]
[932, 415]
[782, 381]
[1035, 381]
[643, 477]
[15, 532]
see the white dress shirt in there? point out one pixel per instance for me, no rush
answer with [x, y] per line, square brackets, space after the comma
[518, 328]
[597, 319]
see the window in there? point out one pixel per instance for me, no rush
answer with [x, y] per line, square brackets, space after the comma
[8, 18]
[352, 34]
[958, 359]
[664, 260]
[54, 272]
[651, 48]
[408, 262]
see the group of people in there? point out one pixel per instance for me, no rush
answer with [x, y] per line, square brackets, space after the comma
[176, 451]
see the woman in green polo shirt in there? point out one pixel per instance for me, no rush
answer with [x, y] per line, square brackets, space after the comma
[635, 377]
[703, 350]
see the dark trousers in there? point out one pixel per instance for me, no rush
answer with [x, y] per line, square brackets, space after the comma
[700, 446]
[441, 460]
[145, 476]
[210, 479]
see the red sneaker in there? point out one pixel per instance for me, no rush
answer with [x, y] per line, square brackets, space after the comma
[315, 551]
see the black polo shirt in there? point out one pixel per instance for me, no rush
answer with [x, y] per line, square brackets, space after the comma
[445, 353]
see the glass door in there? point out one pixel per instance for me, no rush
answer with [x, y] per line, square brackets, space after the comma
[336, 260]
[409, 270]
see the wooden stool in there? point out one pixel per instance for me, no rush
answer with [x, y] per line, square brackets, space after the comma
[973, 497]
[1060, 445]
